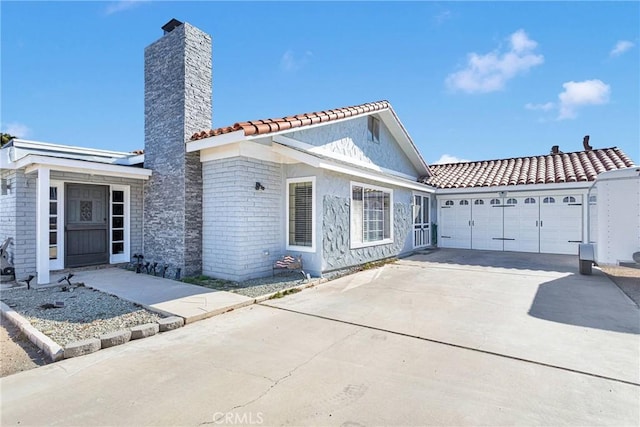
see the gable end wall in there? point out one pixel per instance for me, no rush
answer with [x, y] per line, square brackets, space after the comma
[349, 138]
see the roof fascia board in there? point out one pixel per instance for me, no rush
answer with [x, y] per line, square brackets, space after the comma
[23, 143]
[516, 188]
[128, 161]
[216, 141]
[245, 149]
[32, 163]
[285, 140]
[314, 161]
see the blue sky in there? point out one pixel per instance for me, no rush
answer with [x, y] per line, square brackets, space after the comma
[468, 80]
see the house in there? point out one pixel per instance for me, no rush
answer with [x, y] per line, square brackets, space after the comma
[339, 187]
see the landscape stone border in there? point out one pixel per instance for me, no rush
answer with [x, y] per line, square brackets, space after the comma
[79, 348]
[52, 349]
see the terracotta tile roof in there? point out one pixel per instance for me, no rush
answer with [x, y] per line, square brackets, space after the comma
[260, 127]
[552, 168]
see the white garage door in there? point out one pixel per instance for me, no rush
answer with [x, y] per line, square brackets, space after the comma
[560, 224]
[521, 232]
[547, 224]
[455, 223]
[487, 224]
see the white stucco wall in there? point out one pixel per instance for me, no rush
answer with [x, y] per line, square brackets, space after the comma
[349, 138]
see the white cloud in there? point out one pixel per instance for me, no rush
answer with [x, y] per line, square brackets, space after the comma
[579, 94]
[16, 129]
[442, 17]
[621, 47]
[122, 5]
[447, 158]
[291, 63]
[490, 72]
[543, 107]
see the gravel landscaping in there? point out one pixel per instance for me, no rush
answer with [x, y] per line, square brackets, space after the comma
[251, 288]
[627, 279]
[84, 312]
[268, 285]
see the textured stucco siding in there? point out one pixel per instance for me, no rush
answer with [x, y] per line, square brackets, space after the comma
[349, 138]
[136, 207]
[18, 221]
[336, 223]
[178, 89]
[241, 223]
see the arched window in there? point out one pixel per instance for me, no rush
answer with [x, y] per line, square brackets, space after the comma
[512, 202]
[569, 199]
[548, 200]
[478, 202]
[448, 203]
[495, 201]
[530, 200]
[464, 202]
[593, 199]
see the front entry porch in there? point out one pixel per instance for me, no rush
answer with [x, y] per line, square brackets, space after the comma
[84, 219]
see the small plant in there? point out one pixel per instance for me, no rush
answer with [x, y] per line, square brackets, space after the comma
[47, 306]
[279, 294]
[375, 264]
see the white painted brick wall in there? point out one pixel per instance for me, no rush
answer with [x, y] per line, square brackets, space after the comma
[239, 222]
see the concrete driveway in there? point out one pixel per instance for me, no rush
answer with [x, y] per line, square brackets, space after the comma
[448, 338]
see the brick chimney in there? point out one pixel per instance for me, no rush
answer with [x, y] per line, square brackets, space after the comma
[177, 103]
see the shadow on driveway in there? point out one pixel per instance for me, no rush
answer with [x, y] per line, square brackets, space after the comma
[508, 260]
[586, 301]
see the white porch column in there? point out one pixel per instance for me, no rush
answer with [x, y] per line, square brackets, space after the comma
[42, 226]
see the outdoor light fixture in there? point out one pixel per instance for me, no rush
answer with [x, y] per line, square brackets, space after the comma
[259, 186]
[5, 186]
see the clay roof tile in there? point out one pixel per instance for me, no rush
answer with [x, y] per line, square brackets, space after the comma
[257, 127]
[552, 168]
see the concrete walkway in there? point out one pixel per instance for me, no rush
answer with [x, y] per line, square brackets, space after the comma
[166, 296]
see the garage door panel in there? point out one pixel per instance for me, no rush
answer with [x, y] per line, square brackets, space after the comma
[486, 233]
[521, 220]
[561, 224]
[455, 224]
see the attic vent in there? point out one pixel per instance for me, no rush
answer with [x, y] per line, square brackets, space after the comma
[171, 25]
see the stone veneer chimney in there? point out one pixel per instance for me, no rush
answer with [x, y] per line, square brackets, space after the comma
[177, 103]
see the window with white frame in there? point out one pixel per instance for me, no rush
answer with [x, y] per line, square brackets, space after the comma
[117, 222]
[120, 222]
[371, 215]
[373, 128]
[53, 222]
[301, 213]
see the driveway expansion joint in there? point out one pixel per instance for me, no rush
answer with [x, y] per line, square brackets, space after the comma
[459, 346]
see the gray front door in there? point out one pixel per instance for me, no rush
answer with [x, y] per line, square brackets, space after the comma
[86, 237]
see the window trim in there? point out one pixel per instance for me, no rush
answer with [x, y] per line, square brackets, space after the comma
[125, 256]
[357, 245]
[314, 190]
[58, 263]
[373, 129]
